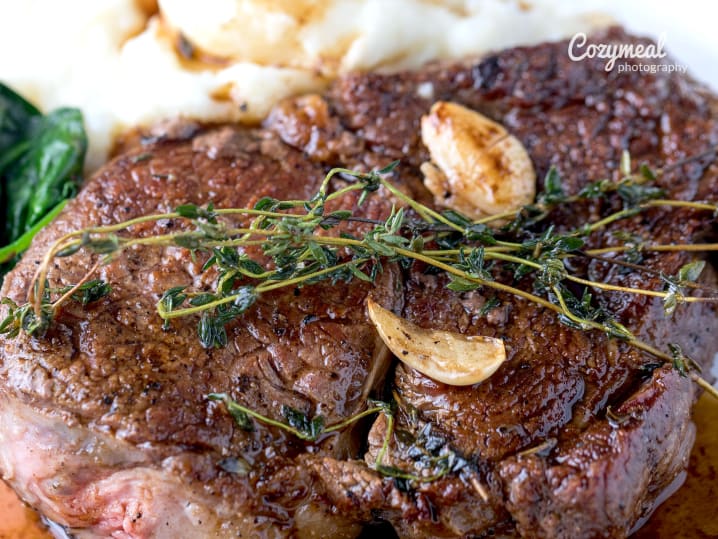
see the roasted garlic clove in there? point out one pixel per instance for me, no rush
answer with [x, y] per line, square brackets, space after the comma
[477, 167]
[447, 357]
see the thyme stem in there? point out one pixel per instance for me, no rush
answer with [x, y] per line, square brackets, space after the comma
[67, 295]
[234, 407]
[387, 439]
[288, 233]
[491, 284]
[308, 276]
[420, 208]
[177, 313]
[703, 383]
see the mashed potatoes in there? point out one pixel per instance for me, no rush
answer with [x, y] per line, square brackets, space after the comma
[233, 59]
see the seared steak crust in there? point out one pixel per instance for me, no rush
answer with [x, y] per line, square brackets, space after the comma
[124, 401]
[558, 383]
[111, 368]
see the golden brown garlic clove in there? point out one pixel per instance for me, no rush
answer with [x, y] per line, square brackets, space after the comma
[477, 167]
[451, 358]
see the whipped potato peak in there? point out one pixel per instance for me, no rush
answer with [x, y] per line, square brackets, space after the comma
[124, 68]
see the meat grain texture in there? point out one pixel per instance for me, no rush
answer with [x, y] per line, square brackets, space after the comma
[105, 427]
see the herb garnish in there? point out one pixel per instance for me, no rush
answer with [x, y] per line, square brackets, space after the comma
[292, 234]
[429, 451]
[297, 422]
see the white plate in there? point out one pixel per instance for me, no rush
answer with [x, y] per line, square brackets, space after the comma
[689, 27]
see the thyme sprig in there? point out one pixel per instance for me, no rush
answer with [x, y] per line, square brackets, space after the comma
[24, 318]
[302, 243]
[297, 423]
[429, 451]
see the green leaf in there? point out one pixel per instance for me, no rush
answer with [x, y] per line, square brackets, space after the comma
[10, 325]
[390, 471]
[92, 291]
[552, 188]
[617, 330]
[266, 204]
[680, 361]
[395, 239]
[691, 271]
[379, 248]
[202, 299]
[188, 240]
[189, 211]
[480, 232]
[552, 272]
[456, 218]
[488, 306]
[566, 244]
[34, 325]
[251, 266]
[647, 173]
[310, 429]
[285, 205]
[318, 253]
[362, 198]
[10, 251]
[670, 301]
[389, 168]
[142, 157]
[16, 115]
[596, 189]
[474, 263]
[459, 284]
[240, 416]
[246, 296]
[173, 298]
[211, 261]
[211, 332]
[210, 229]
[102, 246]
[41, 159]
[47, 172]
[416, 244]
[566, 321]
[226, 280]
[633, 194]
[386, 407]
[521, 271]
[395, 221]
[359, 274]
[226, 257]
[340, 214]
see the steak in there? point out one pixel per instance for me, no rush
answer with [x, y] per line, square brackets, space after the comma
[106, 428]
[115, 389]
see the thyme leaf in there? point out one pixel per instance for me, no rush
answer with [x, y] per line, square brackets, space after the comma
[89, 292]
[297, 423]
[299, 248]
[310, 429]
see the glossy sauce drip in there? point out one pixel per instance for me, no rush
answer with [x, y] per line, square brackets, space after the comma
[690, 512]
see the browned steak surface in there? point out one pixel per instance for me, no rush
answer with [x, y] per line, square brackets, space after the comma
[111, 368]
[592, 476]
[105, 423]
